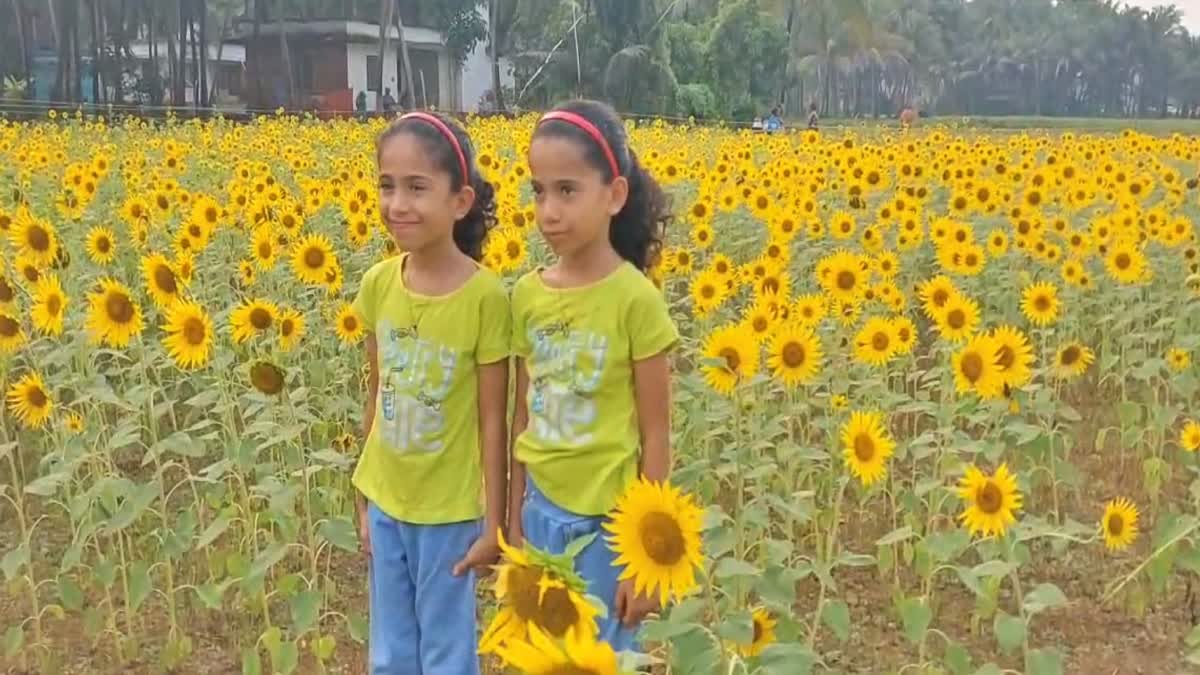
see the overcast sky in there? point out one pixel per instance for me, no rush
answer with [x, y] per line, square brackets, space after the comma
[1190, 9]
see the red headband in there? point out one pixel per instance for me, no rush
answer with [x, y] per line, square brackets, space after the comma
[442, 127]
[590, 129]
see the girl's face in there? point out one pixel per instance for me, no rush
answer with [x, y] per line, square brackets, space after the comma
[415, 198]
[573, 204]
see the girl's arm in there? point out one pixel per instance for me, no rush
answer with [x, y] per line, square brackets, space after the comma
[360, 502]
[493, 418]
[652, 391]
[516, 493]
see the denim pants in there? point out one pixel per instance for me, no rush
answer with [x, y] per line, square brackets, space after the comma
[422, 616]
[551, 528]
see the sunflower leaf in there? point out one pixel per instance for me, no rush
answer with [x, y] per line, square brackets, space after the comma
[1045, 596]
[915, 614]
[576, 546]
[1044, 661]
[1009, 630]
[787, 659]
[836, 615]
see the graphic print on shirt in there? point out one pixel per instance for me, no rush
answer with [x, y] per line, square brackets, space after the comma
[415, 375]
[565, 369]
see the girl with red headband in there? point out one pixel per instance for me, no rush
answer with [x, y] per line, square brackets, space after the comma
[435, 417]
[592, 335]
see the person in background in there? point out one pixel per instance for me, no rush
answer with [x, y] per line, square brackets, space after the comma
[360, 104]
[389, 103]
[774, 122]
[756, 124]
[812, 116]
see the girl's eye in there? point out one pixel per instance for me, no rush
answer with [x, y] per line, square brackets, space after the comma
[566, 190]
[537, 189]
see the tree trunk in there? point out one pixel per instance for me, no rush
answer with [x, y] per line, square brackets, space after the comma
[202, 6]
[179, 83]
[156, 90]
[385, 35]
[493, 28]
[96, 47]
[406, 63]
[258, 15]
[76, 54]
[23, 45]
[286, 56]
[195, 55]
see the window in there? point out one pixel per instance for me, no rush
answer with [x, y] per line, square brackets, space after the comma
[373, 74]
[425, 77]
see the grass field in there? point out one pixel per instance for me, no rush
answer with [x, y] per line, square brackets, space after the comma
[937, 393]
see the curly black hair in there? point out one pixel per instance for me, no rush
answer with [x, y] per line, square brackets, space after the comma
[471, 230]
[637, 231]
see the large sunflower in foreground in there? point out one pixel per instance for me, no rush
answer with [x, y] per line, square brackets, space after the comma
[189, 334]
[114, 318]
[348, 324]
[708, 290]
[958, 318]
[530, 593]
[1125, 263]
[101, 245]
[1039, 303]
[576, 654]
[29, 401]
[34, 239]
[49, 305]
[161, 281]
[991, 501]
[1015, 355]
[252, 318]
[1119, 525]
[794, 355]
[656, 535]
[735, 346]
[313, 259]
[977, 368]
[866, 446]
[876, 343]
[843, 275]
[763, 635]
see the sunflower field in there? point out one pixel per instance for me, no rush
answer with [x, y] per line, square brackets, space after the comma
[936, 409]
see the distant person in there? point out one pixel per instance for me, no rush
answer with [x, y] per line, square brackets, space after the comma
[757, 124]
[360, 104]
[908, 117]
[389, 103]
[774, 122]
[812, 116]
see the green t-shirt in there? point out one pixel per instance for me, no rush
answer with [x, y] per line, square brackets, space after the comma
[582, 444]
[421, 463]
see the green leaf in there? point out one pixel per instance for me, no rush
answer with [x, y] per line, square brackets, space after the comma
[14, 560]
[946, 545]
[737, 627]
[895, 536]
[341, 533]
[836, 615]
[728, 568]
[957, 658]
[576, 546]
[266, 560]
[251, 662]
[70, 594]
[993, 568]
[787, 659]
[139, 583]
[1009, 630]
[915, 615]
[210, 594]
[306, 609]
[855, 560]
[215, 529]
[1044, 661]
[989, 669]
[1129, 413]
[47, 485]
[665, 630]
[133, 506]
[1045, 596]
[359, 627]
[14, 639]
[323, 647]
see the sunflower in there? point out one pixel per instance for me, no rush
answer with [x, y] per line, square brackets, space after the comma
[1073, 360]
[866, 446]
[763, 635]
[49, 305]
[252, 318]
[532, 593]
[656, 536]
[809, 309]
[101, 245]
[1119, 525]
[34, 239]
[760, 320]
[189, 334]
[8, 294]
[1039, 303]
[958, 318]
[12, 336]
[29, 401]
[262, 247]
[794, 355]
[1015, 355]
[905, 332]
[708, 290]
[267, 377]
[1189, 438]
[990, 501]
[876, 343]
[348, 324]
[113, 316]
[513, 250]
[312, 259]
[936, 293]
[843, 276]
[73, 422]
[1125, 263]
[577, 654]
[1179, 359]
[735, 346]
[977, 367]
[246, 273]
[291, 329]
[162, 282]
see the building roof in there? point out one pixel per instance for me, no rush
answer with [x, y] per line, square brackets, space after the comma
[335, 29]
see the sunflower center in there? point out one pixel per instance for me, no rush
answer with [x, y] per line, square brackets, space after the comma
[708, 292]
[940, 297]
[761, 324]
[956, 318]
[1007, 357]
[972, 366]
[314, 258]
[103, 245]
[1041, 303]
[1116, 524]
[53, 305]
[558, 613]
[880, 341]
[662, 538]
[846, 280]
[6, 292]
[164, 278]
[794, 355]
[864, 447]
[732, 358]
[266, 377]
[194, 331]
[1070, 355]
[570, 669]
[8, 327]
[758, 632]
[523, 591]
[286, 327]
[1123, 261]
[260, 318]
[264, 249]
[119, 308]
[36, 397]
[989, 498]
[38, 238]
[350, 323]
[31, 274]
[513, 249]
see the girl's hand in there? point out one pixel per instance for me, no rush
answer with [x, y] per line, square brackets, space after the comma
[364, 536]
[481, 556]
[631, 607]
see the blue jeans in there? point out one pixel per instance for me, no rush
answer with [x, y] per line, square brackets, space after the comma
[551, 528]
[422, 616]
